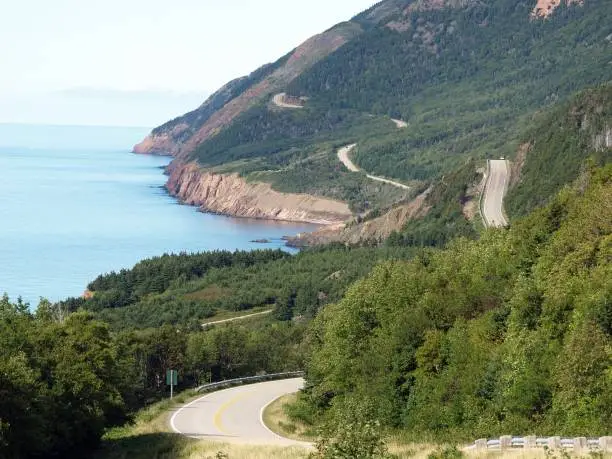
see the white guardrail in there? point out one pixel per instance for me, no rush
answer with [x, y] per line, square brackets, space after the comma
[579, 445]
[249, 379]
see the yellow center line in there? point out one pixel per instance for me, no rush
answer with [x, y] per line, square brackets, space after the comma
[217, 419]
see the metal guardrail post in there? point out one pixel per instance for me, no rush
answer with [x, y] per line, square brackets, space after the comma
[554, 442]
[531, 441]
[481, 445]
[505, 442]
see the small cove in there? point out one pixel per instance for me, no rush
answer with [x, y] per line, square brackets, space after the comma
[74, 203]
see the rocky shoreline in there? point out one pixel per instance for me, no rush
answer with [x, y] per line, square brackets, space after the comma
[232, 195]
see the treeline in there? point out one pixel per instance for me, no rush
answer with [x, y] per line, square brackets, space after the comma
[508, 334]
[558, 146]
[263, 132]
[155, 275]
[61, 384]
[296, 285]
[65, 379]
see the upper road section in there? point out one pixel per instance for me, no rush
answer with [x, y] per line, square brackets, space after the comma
[235, 414]
[494, 193]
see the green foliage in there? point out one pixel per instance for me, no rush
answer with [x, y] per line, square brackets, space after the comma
[155, 275]
[352, 434]
[462, 77]
[317, 171]
[503, 334]
[449, 452]
[560, 143]
[60, 383]
[445, 220]
[195, 287]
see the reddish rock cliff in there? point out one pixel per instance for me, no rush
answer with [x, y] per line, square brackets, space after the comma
[232, 195]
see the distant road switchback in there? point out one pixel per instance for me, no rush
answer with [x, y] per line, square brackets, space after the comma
[283, 101]
[235, 414]
[494, 193]
[343, 156]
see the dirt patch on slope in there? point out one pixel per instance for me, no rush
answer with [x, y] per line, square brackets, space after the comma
[517, 165]
[372, 231]
[544, 8]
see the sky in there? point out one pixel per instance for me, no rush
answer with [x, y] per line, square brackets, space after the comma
[142, 62]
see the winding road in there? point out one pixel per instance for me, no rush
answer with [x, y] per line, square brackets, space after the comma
[234, 319]
[494, 193]
[280, 101]
[235, 414]
[343, 156]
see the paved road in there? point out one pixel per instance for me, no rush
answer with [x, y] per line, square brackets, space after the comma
[235, 414]
[343, 156]
[399, 123]
[234, 319]
[279, 101]
[495, 191]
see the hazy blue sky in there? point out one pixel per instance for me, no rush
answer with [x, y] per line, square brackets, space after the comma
[140, 62]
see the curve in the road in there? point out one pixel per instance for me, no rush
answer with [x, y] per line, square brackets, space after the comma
[343, 156]
[399, 123]
[235, 414]
[280, 101]
[494, 193]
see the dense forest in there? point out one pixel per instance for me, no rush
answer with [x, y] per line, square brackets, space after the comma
[559, 144]
[510, 333]
[187, 289]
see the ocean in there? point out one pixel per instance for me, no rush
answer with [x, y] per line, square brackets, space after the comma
[75, 203]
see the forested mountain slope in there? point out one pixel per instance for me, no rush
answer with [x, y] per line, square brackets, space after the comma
[558, 145]
[561, 142]
[466, 76]
[511, 333]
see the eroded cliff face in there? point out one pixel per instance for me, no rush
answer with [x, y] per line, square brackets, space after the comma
[234, 196]
[371, 231]
[545, 8]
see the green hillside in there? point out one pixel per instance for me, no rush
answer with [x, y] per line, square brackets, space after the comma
[510, 333]
[466, 79]
[559, 145]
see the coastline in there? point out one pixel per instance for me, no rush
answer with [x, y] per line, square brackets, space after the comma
[232, 196]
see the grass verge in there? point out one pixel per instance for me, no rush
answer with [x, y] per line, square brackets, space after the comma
[275, 417]
[150, 437]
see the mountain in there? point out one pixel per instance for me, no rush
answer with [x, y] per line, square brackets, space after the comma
[424, 88]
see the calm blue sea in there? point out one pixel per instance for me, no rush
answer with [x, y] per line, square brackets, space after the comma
[75, 203]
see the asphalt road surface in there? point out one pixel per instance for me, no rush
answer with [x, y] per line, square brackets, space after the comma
[495, 191]
[235, 414]
[279, 101]
[343, 156]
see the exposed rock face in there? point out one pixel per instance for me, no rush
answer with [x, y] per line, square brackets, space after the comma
[470, 205]
[232, 195]
[516, 166]
[183, 135]
[375, 230]
[545, 8]
[603, 140]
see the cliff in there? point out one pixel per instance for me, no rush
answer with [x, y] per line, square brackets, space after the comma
[375, 230]
[232, 195]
